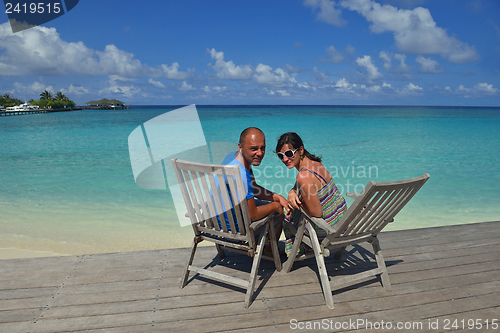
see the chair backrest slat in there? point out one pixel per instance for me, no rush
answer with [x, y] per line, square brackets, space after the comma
[235, 195]
[192, 195]
[375, 207]
[227, 205]
[189, 206]
[212, 222]
[376, 213]
[195, 180]
[215, 197]
[360, 220]
[398, 204]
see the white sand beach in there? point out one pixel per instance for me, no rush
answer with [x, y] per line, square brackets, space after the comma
[17, 253]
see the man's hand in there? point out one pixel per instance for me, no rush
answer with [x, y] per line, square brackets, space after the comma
[282, 201]
[279, 209]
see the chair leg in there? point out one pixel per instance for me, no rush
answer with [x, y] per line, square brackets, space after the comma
[274, 246]
[381, 264]
[323, 275]
[287, 266]
[255, 266]
[220, 251]
[339, 253]
[185, 276]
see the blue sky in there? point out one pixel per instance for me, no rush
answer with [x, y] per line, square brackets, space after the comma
[343, 52]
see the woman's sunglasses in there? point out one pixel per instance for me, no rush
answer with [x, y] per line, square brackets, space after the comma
[289, 154]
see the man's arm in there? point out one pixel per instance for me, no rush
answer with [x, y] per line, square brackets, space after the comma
[258, 212]
[266, 195]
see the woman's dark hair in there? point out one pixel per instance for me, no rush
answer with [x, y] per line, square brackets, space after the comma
[294, 141]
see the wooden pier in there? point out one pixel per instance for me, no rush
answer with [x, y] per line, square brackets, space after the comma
[25, 112]
[443, 279]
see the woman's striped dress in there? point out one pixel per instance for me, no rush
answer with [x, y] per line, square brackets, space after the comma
[333, 205]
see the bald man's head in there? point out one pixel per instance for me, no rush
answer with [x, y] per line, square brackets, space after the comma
[252, 146]
[249, 131]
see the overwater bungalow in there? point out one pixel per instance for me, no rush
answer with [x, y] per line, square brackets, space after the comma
[106, 104]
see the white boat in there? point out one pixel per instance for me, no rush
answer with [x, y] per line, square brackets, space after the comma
[23, 107]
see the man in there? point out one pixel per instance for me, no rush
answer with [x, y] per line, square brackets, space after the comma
[261, 202]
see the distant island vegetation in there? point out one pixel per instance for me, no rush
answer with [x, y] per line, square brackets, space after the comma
[47, 101]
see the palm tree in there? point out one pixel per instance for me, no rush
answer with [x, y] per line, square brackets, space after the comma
[60, 96]
[46, 95]
[7, 98]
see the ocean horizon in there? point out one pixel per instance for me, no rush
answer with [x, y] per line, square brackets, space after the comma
[68, 186]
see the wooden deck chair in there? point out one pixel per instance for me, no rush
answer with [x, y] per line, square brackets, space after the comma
[370, 212]
[206, 202]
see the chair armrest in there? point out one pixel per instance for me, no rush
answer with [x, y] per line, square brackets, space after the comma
[259, 223]
[319, 222]
[352, 195]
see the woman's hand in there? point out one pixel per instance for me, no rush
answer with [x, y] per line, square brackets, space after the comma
[293, 199]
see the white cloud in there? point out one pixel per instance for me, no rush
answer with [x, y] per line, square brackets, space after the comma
[293, 69]
[78, 90]
[486, 88]
[117, 85]
[283, 93]
[428, 65]
[216, 89]
[480, 89]
[321, 77]
[371, 69]
[385, 88]
[386, 58]
[173, 72]
[304, 85]
[265, 75]
[186, 87]
[118, 62]
[412, 88]
[496, 28]
[157, 84]
[327, 11]
[334, 56]
[343, 84]
[403, 67]
[34, 88]
[414, 30]
[228, 70]
[372, 89]
[41, 51]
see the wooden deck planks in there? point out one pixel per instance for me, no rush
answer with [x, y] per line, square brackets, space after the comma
[436, 273]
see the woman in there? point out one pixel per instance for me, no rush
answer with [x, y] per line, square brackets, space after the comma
[314, 189]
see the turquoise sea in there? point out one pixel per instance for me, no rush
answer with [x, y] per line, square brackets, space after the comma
[67, 185]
